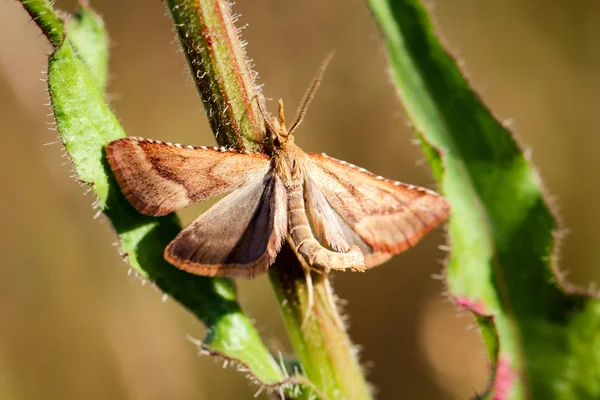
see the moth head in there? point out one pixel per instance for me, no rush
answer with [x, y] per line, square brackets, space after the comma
[276, 128]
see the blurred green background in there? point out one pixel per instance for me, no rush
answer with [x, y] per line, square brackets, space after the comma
[74, 325]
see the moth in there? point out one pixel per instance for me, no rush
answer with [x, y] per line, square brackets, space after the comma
[336, 216]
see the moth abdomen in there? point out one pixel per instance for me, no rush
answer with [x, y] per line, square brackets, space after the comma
[309, 247]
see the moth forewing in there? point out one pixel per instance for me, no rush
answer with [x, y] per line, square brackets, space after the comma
[387, 216]
[158, 178]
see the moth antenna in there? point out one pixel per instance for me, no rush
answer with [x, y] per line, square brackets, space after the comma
[310, 92]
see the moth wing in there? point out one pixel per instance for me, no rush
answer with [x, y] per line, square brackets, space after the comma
[324, 221]
[239, 236]
[380, 216]
[332, 230]
[158, 178]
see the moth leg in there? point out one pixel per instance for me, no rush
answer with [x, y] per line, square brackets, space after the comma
[332, 306]
[309, 284]
[330, 297]
[311, 293]
[305, 243]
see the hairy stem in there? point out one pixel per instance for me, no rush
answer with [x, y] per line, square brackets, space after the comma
[322, 345]
[226, 84]
[43, 13]
[221, 71]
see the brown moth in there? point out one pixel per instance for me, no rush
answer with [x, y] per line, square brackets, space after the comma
[335, 215]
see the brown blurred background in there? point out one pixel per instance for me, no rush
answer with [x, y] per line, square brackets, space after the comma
[74, 325]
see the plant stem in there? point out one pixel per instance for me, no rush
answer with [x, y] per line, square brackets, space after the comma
[42, 12]
[226, 84]
[322, 345]
[222, 74]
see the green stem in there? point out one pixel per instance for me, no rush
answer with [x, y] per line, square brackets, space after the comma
[222, 74]
[226, 85]
[42, 12]
[322, 345]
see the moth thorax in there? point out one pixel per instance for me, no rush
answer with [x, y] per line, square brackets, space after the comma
[289, 165]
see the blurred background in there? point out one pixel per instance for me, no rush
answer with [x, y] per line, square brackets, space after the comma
[74, 325]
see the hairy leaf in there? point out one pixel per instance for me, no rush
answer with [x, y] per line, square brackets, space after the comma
[543, 338]
[76, 80]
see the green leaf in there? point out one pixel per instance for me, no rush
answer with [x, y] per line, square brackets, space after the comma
[502, 232]
[76, 81]
[88, 37]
